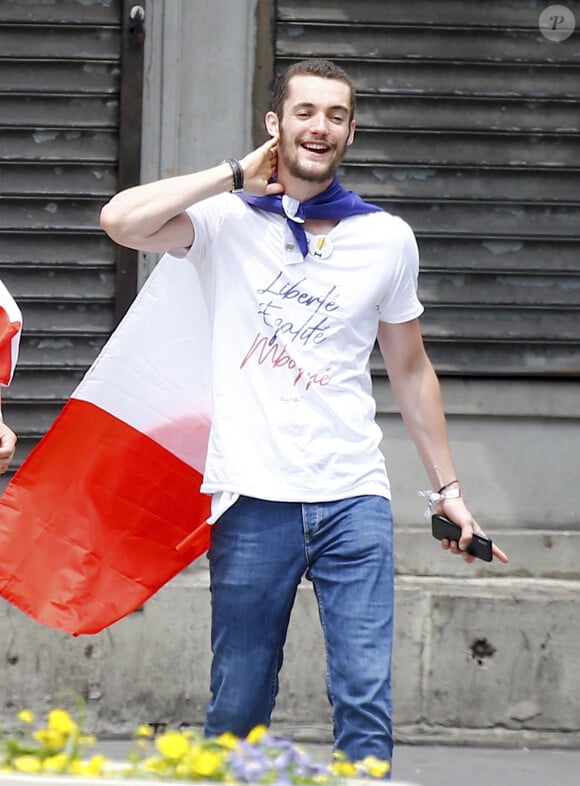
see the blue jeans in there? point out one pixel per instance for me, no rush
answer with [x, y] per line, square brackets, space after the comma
[259, 553]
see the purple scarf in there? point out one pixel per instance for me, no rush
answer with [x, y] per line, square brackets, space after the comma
[334, 202]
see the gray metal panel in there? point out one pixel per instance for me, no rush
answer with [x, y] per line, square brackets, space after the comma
[502, 323]
[77, 12]
[397, 43]
[467, 113]
[49, 213]
[511, 254]
[25, 417]
[59, 118]
[492, 13]
[468, 126]
[501, 289]
[476, 149]
[68, 317]
[62, 282]
[58, 77]
[26, 111]
[456, 78]
[507, 358]
[70, 248]
[475, 183]
[42, 352]
[75, 42]
[59, 179]
[36, 386]
[47, 143]
[489, 220]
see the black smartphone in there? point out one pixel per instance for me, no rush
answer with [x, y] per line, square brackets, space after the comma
[443, 527]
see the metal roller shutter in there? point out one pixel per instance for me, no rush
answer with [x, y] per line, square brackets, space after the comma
[468, 127]
[59, 163]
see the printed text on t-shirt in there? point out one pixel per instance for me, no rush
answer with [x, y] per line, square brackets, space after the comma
[278, 356]
[311, 330]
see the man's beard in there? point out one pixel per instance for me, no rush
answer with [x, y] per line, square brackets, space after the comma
[301, 172]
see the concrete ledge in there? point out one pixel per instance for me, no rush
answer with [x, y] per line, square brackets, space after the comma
[487, 654]
[488, 661]
[487, 738]
[493, 397]
[543, 554]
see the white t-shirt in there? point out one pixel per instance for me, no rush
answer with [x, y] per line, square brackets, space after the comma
[293, 416]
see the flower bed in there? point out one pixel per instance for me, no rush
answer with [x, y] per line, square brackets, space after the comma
[61, 749]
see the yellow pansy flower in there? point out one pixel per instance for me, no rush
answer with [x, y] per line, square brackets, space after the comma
[182, 771]
[172, 745]
[55, 763]
[256, 734]
[377, 768]
[344, 769]
[91, 768]
[52, 739]
[206, 763]
[228, 741]
[28, 764]
[154, 764]
[26, 716]
[60, 720]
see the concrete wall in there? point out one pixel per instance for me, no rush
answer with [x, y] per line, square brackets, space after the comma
[483, 654]
[515, 444]
[199, 64]
[486, 659]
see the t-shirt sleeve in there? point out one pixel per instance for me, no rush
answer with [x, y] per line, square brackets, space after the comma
[197, 251]
[207, 217]
[401, 302]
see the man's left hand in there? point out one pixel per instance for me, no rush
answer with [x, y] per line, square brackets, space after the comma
[456, 510]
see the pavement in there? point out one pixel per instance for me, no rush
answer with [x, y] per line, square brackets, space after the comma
[452, 765]
[467, 766]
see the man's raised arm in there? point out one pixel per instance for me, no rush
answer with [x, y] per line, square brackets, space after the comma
[152, 217]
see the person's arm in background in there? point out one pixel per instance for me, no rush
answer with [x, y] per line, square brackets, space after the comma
[7, 443]
[416, 390]
[152, 217]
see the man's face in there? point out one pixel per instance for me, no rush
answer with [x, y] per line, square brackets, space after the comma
[315, 129]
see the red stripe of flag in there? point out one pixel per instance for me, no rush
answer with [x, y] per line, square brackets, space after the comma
[59, 564]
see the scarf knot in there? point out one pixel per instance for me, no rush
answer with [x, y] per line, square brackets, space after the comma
[333, 203]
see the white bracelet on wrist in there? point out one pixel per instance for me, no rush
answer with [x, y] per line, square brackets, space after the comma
[435, 497]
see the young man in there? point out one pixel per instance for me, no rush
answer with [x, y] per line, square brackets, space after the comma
[301, 277]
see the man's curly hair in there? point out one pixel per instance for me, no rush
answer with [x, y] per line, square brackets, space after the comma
[315, 67]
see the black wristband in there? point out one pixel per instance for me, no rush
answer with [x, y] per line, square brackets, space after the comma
[238, 173]
[446, 486]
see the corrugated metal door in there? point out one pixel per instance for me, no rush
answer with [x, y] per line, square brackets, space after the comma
[468, 127]
[59, 145]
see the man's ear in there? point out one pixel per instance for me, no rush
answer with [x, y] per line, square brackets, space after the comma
[350, 139]
[272, 124]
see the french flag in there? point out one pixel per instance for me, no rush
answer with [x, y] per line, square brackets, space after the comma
[107, 508]
[10, 332]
